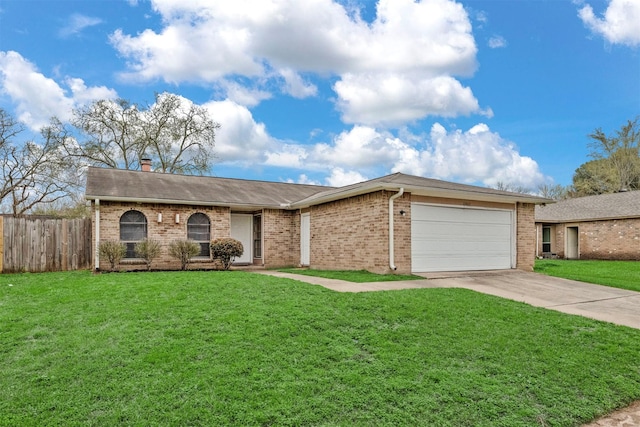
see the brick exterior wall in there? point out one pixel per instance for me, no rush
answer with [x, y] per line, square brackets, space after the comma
[353, 233]
[614, 239]
[281, 238]
[525, 236]
[617, 239]
[164, 232]
[347, 234]
[402, 232]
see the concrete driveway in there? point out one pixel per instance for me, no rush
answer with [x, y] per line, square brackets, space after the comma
[568, 296]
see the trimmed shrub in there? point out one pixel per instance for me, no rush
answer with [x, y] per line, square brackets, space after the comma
[184, 250]
[226, 250]
[113, 251]
[148, 250]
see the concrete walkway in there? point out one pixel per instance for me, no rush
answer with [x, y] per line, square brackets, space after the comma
[613, 305]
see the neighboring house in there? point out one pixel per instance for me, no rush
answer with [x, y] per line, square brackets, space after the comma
[398, 222]
[606, 226]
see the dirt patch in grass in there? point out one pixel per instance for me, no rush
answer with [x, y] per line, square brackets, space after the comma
[626, 417]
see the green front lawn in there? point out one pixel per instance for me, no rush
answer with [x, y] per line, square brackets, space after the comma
[236, 348]
[618, 274]
[357, 276]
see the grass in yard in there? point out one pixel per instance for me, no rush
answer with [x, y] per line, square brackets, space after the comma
[357, 276]
[235, 348]
[618, 274]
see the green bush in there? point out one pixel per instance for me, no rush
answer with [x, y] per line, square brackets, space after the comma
[226, 250]
[148, 250]
[113, 251]
[184, 250]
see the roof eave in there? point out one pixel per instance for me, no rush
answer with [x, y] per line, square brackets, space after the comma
[572, 220]
[238, 206]
[475, 195]
[422, 191]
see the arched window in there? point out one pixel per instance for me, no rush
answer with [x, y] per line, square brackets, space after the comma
[133, 228]
[199, 230]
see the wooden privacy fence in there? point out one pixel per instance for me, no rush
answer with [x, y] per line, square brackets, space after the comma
[36, 244]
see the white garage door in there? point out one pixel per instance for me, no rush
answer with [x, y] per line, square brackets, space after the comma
[459, 239]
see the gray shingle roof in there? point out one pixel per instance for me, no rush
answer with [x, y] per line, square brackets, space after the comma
[151, 187]
[603, 206]
[423, 186]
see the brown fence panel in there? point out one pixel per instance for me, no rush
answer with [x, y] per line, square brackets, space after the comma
[40, 244]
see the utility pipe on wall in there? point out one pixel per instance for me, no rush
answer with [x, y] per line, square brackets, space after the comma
[392, 260]
[96, 254]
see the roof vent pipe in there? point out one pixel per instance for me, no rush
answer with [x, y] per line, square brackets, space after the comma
[392, 261]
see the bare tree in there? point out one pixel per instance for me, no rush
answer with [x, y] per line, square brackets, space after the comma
[33, 173]
[514, 188]
[621, 151]
[555, 192]
[112, 134]
[177, 135]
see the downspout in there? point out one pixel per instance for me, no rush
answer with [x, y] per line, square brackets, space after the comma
[96, 255]
[392, 261]
[538, 239]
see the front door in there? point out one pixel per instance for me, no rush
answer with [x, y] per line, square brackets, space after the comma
[573, 251]
[242, 230]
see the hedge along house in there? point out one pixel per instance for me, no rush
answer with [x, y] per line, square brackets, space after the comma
[396, 223]
[606, 226]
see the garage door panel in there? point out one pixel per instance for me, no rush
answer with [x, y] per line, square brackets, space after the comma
[462, 263]
[451, 214]
[455, 239]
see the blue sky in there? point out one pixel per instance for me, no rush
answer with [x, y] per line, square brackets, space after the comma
[335, 92]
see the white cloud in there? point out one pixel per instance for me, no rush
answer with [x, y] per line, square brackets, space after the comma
[77, 23]
[340, 177]
[243, 95]
[419, 45]
[481, 17]
[296, 86]
[395, 99]
[497, 42]
[84, 95]
[304, 179]
[620, 23]
[240, 139]
[362, 147]
[38, 98]
[287, 155]
[477, 156]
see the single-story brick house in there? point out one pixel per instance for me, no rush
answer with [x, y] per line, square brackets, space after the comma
[606, 226]
[399, 222]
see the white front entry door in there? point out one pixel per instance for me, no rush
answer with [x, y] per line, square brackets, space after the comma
[242, 230]
[572, 251]
[305, 239]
